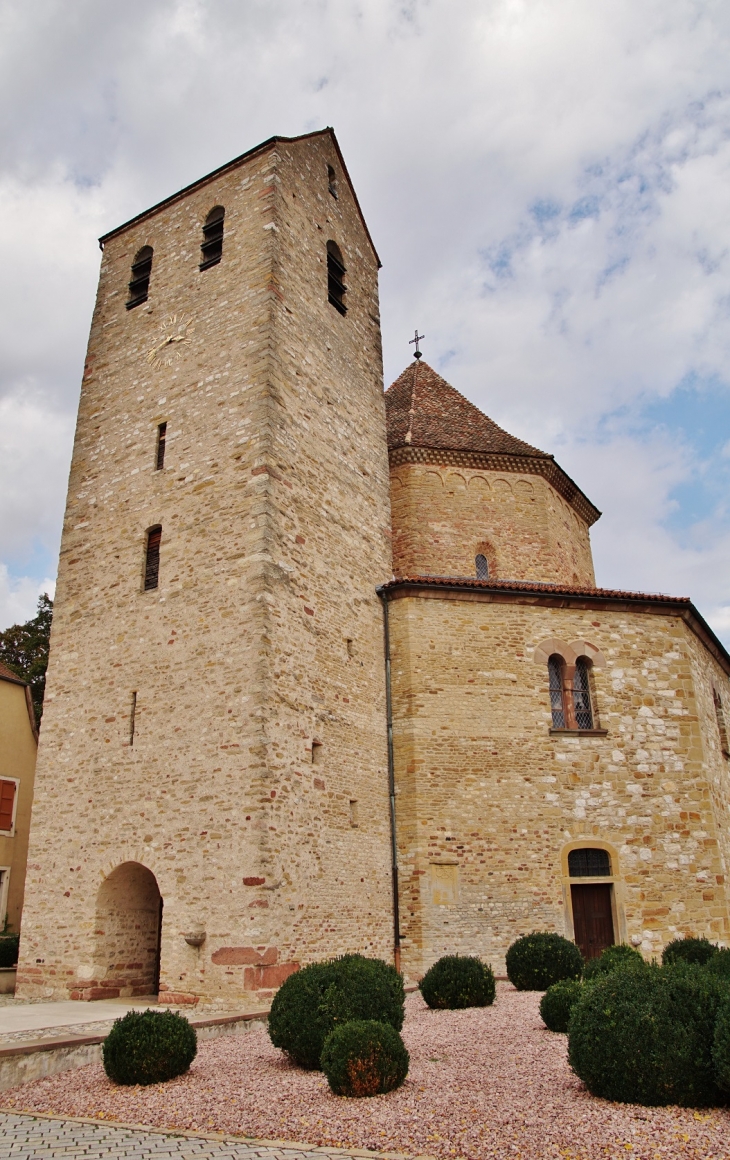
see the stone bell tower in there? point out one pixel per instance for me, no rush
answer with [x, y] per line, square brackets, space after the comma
[211, 794]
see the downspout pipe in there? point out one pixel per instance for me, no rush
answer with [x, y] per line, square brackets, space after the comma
[391, 780]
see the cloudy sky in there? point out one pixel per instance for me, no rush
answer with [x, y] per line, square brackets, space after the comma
[547, 183]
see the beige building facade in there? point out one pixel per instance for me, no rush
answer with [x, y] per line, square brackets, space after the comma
[18, 748]
[235, 777]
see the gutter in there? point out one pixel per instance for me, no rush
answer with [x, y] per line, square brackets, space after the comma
[380, 589]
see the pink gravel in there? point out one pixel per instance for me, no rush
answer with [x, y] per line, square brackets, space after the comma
[489, 1082]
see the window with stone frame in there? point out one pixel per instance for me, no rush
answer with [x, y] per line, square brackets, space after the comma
[211, 249]
[152, 558]
[582, 694]
[141, 272]
[556, 668]
[721, 727]
[482, 566]
[336, 288]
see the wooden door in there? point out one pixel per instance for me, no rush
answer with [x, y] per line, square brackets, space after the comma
[592, 918]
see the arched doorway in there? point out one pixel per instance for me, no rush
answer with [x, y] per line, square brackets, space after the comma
[128, 929]
[591, 894]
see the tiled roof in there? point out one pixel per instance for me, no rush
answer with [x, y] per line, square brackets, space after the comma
[7, 674]
[423, 410]
[535, 586]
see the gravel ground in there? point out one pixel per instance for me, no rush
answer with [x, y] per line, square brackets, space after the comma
[483, 1083]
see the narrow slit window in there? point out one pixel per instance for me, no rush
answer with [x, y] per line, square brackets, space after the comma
[140, 283]
[557, 707]
[336, 271]
[211, 249]
[316, 753]
[582, 695]
[161, 438]
[589, 863]
[7, 804]
[332, 181]
[152, 558]
[132, 716]
[721, 727]
[482, 567]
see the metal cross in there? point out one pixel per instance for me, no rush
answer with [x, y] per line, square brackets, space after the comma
[417, 339]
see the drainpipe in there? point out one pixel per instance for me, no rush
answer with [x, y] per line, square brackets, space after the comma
[391, 781]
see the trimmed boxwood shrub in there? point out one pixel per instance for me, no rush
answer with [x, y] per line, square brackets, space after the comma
[312, 1002]
[537, 960]
[646, 1037]
[688, 950]
[457, 981]
[616, 956]
[719, 964]
[9, 944]
[149, 1047]
[721, 1046]
[557, 1003]
[364, 1058]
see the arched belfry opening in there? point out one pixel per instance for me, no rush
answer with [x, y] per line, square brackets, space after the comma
[128, 930]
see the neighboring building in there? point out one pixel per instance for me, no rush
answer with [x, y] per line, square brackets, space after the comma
[18, 745]
[216, 723]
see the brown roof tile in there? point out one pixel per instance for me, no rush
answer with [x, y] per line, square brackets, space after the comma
[423, 410]
[533, 586]
[7, 674]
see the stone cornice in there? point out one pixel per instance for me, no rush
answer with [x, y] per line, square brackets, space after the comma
[543, 465]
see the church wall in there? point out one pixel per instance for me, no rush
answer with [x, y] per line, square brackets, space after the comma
[239, 659]
[443, 516]
[488, 801]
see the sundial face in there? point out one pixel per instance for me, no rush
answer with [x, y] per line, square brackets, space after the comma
[175, 334]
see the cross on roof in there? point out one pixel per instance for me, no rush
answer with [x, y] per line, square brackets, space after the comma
[417, 339]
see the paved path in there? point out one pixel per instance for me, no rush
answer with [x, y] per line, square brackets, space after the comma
[35, 1138]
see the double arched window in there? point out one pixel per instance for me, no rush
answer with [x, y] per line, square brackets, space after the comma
[570, 693]
[211, 249]
[336, 288]
[140, 281]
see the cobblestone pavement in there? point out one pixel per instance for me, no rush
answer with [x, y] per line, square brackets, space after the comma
[36, 1138]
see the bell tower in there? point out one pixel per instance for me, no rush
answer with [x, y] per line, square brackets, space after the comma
[211, 791]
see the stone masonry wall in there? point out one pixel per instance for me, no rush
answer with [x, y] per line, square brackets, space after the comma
[489, 802]
[444, 516]
[274, 511]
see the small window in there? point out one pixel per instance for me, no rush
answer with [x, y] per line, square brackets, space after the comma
[482, 567]
[316, 753]
[212, 248]
[152, 558]
[354, 813]
[140, 284]
[582, 695]
[336, 288]
[161, 436]
[721, 727]
[332, 180]
[7, 804]
[557, 706]
[589, 863]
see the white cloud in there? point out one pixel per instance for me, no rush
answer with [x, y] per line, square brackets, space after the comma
[19, 598]
[547, 184]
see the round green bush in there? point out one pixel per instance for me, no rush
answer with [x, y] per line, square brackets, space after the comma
[364, 1058]
[616, 956]
[537, 960]
[557, 1003]
[688, 950]
[149, 1047]
[721, 1046]
[9, 949]
[719, 964]
[646, 1037]
[312, 1002]
[457, 981]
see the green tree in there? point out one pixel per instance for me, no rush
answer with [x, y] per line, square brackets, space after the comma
[24, 650]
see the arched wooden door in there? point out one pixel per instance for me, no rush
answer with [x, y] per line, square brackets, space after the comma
[592, 918]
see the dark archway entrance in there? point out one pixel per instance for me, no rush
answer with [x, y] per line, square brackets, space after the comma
[128, 934]
[592, 918]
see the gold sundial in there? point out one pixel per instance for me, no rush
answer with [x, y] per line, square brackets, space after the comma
[176, 331]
